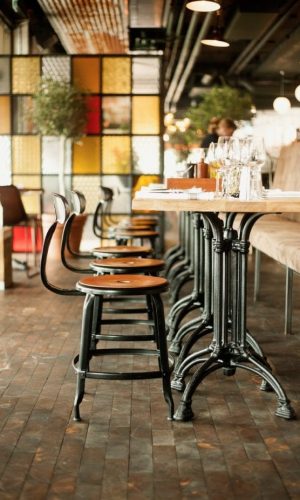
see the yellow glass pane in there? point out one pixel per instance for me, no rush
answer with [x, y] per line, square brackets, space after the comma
[145, 115]
[86, 156]
[116, 155]
[26, 154]
[4, 114]
[26, 74]
[116, 75]
[86, 73]
[31, 201]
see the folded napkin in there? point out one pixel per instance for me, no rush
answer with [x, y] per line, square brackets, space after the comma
[278, 193]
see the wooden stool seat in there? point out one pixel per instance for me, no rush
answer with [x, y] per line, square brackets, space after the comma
[136, 233]
[120, 250]
[133, 227]
[128, 263]
[149, 220]
[124, 284]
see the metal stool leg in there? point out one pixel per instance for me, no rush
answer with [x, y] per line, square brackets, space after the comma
[159, 321]
[83, 358]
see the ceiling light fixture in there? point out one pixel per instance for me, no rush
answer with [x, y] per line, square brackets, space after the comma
[216, 39]
[203, 6]
[282, 104]
[297, 93]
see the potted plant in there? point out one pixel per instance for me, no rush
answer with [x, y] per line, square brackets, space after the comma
[60, 110]
[223, 101]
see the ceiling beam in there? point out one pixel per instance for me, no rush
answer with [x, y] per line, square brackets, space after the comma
[256, 45]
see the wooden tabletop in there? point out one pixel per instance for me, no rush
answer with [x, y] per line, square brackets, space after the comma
[279, 205]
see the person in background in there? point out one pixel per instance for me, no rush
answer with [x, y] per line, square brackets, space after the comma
[211, 135]
[226, 127]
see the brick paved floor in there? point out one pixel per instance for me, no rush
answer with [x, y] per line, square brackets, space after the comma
[125, 448]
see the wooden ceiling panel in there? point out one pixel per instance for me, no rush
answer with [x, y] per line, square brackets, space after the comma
[89, 26]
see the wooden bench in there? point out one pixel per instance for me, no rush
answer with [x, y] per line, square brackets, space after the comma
[278, 236]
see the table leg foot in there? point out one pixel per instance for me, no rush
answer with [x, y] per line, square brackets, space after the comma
[285, 410]
[184, 412]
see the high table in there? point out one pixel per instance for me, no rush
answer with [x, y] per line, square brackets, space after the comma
[232, 347]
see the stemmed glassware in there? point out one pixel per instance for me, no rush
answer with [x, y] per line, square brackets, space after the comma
[236, 164]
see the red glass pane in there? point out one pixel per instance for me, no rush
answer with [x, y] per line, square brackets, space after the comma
[93, 122]
[22, 240]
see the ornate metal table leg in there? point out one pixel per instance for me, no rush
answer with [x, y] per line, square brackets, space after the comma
[206, 318]
[236, 348]
[186, 361]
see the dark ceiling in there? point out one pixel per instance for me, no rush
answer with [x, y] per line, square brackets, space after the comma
[264, 38]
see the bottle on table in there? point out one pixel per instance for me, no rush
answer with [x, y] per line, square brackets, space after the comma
[202, 166]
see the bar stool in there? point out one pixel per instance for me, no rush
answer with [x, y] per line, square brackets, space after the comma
[125, 235]
[93, 287]
[79, 204]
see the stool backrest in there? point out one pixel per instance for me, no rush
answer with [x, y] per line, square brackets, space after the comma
[13, 208]
[62, 212]
[78, 202]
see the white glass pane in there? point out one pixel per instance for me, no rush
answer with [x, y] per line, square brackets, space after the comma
[5, 163]
[57, 68]
[50, 155]
[146, 155]
[145, 74]
[120, 184]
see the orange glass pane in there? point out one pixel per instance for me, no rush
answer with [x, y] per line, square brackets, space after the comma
[116, 155]
[26, 74]
[140, 181]
[26, 155]
[116, 75]
[86, 156]
[31, 201]
[4, 114]
[145, 115]
[86, 73]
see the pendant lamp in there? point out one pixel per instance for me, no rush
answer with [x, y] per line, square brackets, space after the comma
[282, 104]
[203, 5]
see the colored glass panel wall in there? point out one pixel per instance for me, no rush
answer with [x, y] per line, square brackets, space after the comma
[50, 185]
[116, 75]
[94, 115]
[116, 155]
[4, 114]
[26, 154]
[4, 75]
[57, 68]
[22, 112]
[145, 115]
[86, 156]
[145, 75]
[25, 74]
[31, 201]
[89, 185]
[86, 73]
[116, 115]
[121, 186]
[51, 153]
[146, 155]
[5, 163]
